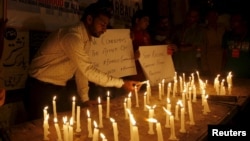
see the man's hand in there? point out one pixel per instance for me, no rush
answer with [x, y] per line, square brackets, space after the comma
[130, 85]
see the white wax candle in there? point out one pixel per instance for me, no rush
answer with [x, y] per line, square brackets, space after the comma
[181, 84]
[89, 125]
[46, 128]
[229, 89]
[194, 94]
[172, 128]
[206, 108]
[177, 110]
[54, 107]
[100, 113]
[115, 129]
[129, 101]
[125, 108]
[96, 133]
[150, 115]
[148, 94]
[71, 122]
[167, 125]
[135, 133]
[65, 129]
[174, 87]
[162, 87]
[160, 91]
[190, 111]
[103, 137]
[183, 128]
[108, 105]
[159, 132]
[58, 132]
[45, 112]
[145, 101]
[73, 108]
[169, 90]
[136, 97]
[78, 121]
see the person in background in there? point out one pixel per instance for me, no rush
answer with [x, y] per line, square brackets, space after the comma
[140, 37]
[189, 38]
[236, 45]
[63, 55]
[213, 43]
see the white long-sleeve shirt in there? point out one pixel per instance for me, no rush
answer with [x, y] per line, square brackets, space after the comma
[64, 55]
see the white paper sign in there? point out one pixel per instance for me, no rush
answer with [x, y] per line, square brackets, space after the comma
[157, 64]
[113, 53]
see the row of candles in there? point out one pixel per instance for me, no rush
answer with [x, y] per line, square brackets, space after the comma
[188, 92]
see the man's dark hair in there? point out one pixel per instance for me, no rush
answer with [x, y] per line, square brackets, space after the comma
[138, 15]
[97, 9]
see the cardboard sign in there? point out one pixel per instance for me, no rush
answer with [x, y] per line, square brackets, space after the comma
[157, 64]
[113, 53]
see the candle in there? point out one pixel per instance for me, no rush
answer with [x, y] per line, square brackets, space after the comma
[78, 123]
[177, 110]
[145, 101]
[89, 125]
[216, 84]
[148, 92]
[136, 97]
[151, 115]
[194, 94]
[71, 122]
[159, 131]
[222, 88]
[108, 105]
[45, 112]
[58, 132]
[229, 89]
[160, 91]
[169, 89]
[183, 128]
[115, 130]
[65, 129]
[100, 113]
[206, 108]
[167, 125]
[181, 85]
[54, 107]
[103, 137]
[162, 84]
[175, 87]
[190, 111]
[129, 101]
[96, 132]
[125, 108]
[46, 128]
[135, 133]
[73, 108]
[172, 128]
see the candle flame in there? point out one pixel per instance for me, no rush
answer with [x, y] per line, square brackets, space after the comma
[108, 93]
[99, 100]
[206, 96]
[167, 111]
[95, 124]
[55, 120]
[102, 136]
[145, 93]
[132, 119]
[152, 120]
[129, 95]
[54, 98]
[88, 113]
[168, 100]
[71, 121]
[65, 119]
[163, 81]
[112, 120]
[74, 98]
[46, 107]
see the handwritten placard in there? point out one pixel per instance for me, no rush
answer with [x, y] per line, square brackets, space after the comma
[15, 59]
[113, 53]
[157, 64]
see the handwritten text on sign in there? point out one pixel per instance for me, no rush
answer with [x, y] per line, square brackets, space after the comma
[112, 53]
[156, 63]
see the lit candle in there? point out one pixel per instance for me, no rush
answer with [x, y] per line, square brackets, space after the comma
[54, 107]
[45, 112]
[136, 97]
[174, 87]
[100, 113]
[162, 84]
[125, 108]
[145, 101]
[222, 88]
[159, 131]
[46, 128]
[115, 129]
[177, 110]
[78, 123]
[103, 137]
[206, 108]
[160, 91]
[194, 94]
[73, 108]
[89, 125]
[167, 125]
[135, 133]
[229, 89]
[190, 111]
[58, 132]
[217, 84]
[151, 115]
[181, 85]
[129, 101]
[148, 92]
[169, 89]
[183, 128]
[65, 129]
[96, 132]
[172, 126]
[71, 122]
[108, 105]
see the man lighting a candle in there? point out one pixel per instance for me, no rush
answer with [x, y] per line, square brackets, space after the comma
[63, 55]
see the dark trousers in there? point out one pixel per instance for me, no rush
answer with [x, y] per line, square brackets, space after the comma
[40, 94]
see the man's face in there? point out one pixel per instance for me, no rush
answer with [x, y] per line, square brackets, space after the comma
[98, 25]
